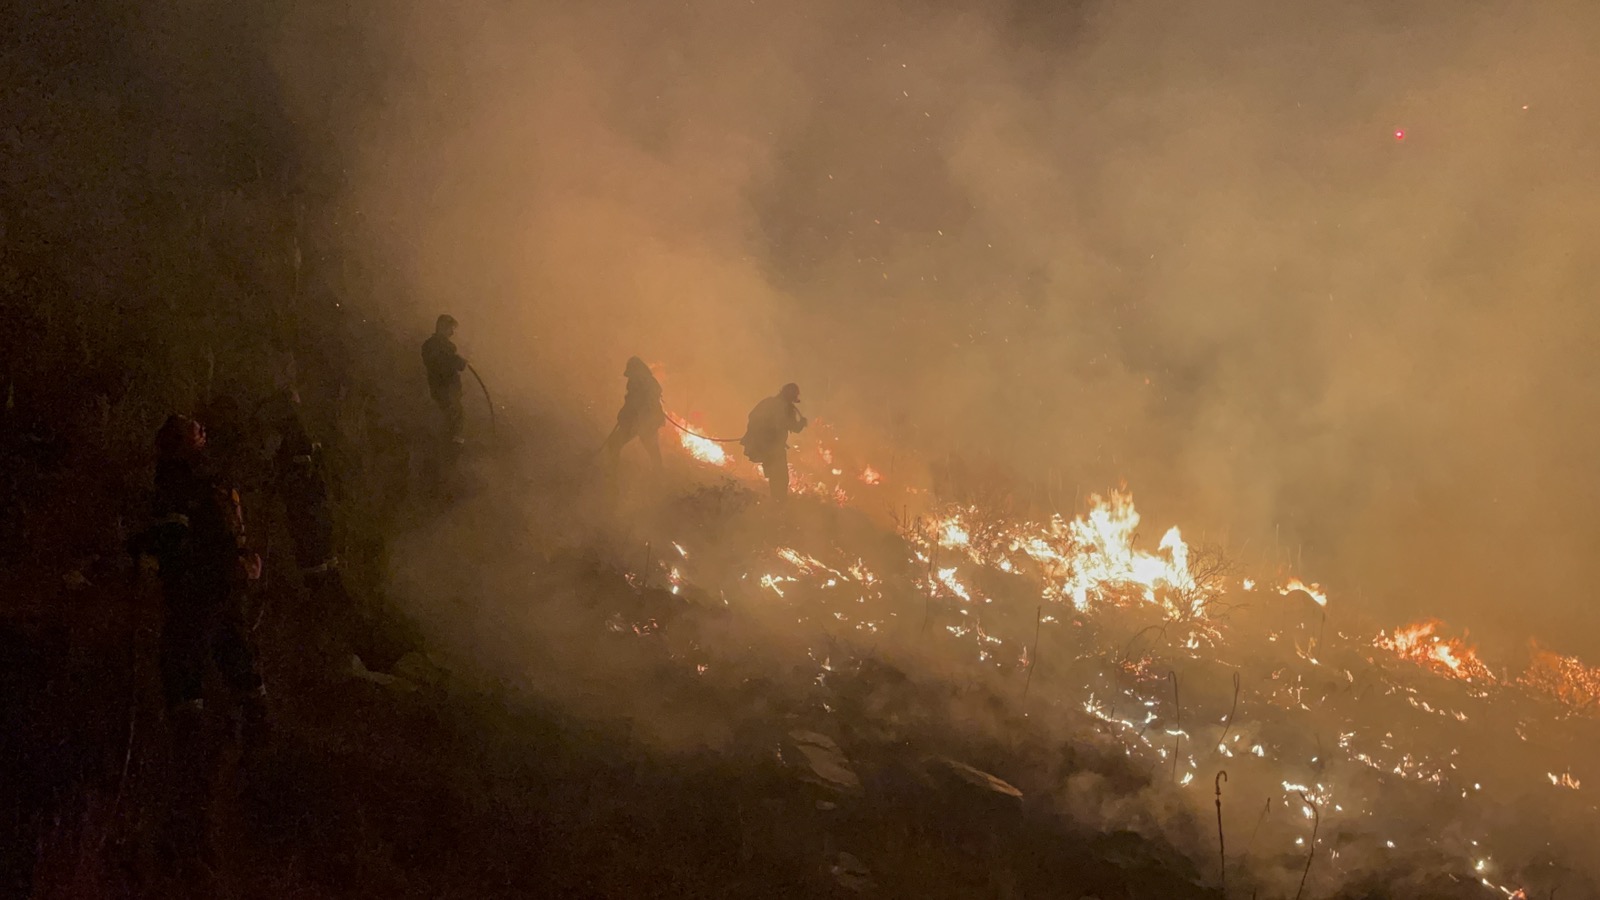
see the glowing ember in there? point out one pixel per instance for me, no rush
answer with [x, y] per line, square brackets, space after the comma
[947, 577]
[1564, 678]
[1420, 644]
[869, 475]
[1565, 780]
[953, 535]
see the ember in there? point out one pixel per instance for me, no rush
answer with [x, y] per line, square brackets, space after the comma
[1564, 678]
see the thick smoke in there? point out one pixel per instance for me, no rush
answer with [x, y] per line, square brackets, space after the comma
[1307, 276]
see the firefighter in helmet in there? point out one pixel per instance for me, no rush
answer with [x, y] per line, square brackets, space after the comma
[444, 366]
[766, 436]
[205, 564]
[641, 416]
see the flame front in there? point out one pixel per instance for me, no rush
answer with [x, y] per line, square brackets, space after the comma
[1420, 643]
[971, 567]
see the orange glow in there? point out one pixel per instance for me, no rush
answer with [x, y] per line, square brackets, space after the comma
[1090, 558]
[1420, 643]
[1564, 678]
[703, 449]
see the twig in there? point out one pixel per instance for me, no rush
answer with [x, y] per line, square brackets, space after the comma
[1316, 823]
[1033, 658]
[1177, 738]
[264, 586]
[1223, 742]
[1259, 819]
[1222, 847]
[1139, 634]
[133, 706]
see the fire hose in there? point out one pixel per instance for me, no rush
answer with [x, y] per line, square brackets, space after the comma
[485, 388]
[685, 429]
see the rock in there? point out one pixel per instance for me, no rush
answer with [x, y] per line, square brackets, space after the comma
[977, 778]
[417, 668]
[851, 873]
[359, 670]
[825, 763]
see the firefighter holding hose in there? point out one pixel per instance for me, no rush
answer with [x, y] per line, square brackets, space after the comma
[444, 367]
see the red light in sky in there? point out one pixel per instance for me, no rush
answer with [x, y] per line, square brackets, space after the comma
[1399, 134]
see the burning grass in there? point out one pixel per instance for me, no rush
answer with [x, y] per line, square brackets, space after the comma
[1452, 657]
[1391, 732]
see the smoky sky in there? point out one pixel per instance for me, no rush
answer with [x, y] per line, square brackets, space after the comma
[1314, 277]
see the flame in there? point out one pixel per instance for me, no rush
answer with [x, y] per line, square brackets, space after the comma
[954, 535]
[1090, 558]
[1419, 643]
[1314, 590]
[703, 449]
[1565, 678]
[869, 475]
[1106, 561]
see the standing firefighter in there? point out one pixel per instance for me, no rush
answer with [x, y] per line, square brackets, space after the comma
[300, 482]
[641, 415]
[766, 436]
[198, 540]
[444, 367]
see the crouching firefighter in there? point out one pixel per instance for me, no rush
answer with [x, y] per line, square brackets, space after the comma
[641, 416]
[766, 436]
[198, 541]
